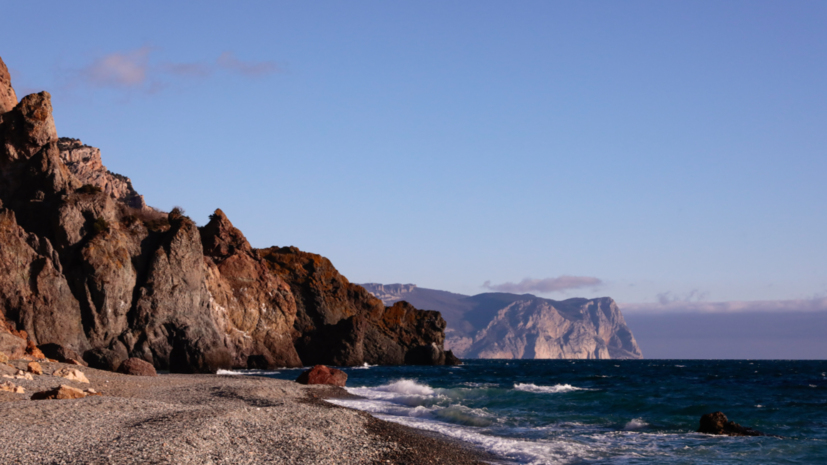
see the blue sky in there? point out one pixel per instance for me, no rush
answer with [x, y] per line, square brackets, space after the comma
[655, 152]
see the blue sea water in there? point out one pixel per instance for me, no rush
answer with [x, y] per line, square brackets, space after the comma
[607, 411]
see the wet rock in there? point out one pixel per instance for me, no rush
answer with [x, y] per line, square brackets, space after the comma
[717, 423]
[34, 368]
[451, 359]
[61, 392]
[321, 374]
[137, 367]
[72, 374]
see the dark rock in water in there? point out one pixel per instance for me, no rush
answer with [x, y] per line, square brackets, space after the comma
[258, 362]
[137, 367]
[451, 359]
[104, 359]
[58, 352]
[717, 423]
[321, 374]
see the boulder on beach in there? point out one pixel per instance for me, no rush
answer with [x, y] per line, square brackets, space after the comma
[321, 374]
[59, 393]
[717, 423]
[72, 374]
[34, 368]
[137, 367]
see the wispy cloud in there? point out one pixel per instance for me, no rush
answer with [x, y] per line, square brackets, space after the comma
[228, 60]
[140, 70]
[666, 298]
[126, 70]
[681, 306]
[559, 284]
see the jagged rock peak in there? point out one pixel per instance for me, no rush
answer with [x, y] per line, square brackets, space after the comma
[221, 239]
[8, 99]
[85, 163]
[30, 126]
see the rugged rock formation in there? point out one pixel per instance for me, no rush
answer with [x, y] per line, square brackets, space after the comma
[501, 325]
[85, 265]
[254, 308]
[86, 164]
[8, 99]
[340, 323]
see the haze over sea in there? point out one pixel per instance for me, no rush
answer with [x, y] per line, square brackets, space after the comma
[606, 411]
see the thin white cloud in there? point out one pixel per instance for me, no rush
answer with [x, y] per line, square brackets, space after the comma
[139, 70]
[229, 61]
[125, 70]
[559, 284]
[794, 305]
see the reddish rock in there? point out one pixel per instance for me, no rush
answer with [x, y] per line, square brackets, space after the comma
[8, 99]
[61, 392]
[252, 306]
[137, 367]
[321, 374]
[34, 368]
[11, 387]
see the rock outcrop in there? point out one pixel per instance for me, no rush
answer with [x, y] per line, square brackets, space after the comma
[717, 423]
[85, 163]
[8, 99]
[340, 323]
[87, 267]
[508, 326]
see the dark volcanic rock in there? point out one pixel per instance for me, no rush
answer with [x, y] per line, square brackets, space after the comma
[717, 423]
[451, 359]
[321, 374]
[105, 359]
[137, 367]
[58, 352]
[324, 298]
[173, 324]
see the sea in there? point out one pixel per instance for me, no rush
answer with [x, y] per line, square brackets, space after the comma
[605, 411]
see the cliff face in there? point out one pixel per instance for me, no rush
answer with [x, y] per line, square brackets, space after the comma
[87, 265]
[508, 326]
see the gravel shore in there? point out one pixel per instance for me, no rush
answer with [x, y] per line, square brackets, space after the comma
[204, 419]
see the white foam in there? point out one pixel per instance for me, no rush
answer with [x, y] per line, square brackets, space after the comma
[228, 372]
[557, 388]
[245, 372]
[635, 424]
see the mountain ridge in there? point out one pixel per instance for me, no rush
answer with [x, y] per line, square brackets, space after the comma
[504, 325]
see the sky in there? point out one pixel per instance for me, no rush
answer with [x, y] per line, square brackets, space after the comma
[670, 155]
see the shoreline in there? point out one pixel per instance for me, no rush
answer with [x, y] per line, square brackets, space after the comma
[194, 418]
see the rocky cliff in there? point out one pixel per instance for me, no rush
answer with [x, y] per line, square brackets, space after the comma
[502, 325]
[87, 265]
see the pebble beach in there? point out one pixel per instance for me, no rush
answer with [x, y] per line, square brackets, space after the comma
[204, 419]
